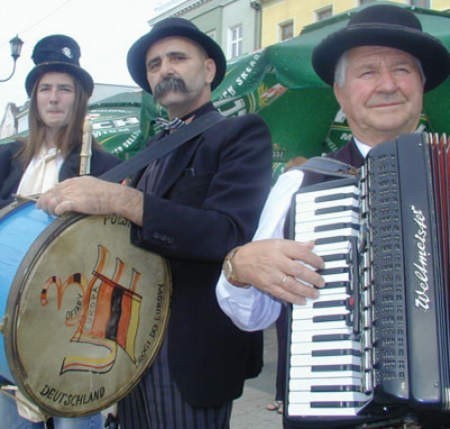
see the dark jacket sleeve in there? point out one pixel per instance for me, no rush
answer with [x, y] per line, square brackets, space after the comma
[10, 172]
[214, 203]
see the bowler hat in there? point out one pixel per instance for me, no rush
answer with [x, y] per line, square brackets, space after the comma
[58, 53]
[384, 25]
[166, 28]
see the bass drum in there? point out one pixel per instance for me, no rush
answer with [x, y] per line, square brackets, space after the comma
[85, 311]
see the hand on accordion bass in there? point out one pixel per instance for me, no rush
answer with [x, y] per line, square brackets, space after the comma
[285, 269]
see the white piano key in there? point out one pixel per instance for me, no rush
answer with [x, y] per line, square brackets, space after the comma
[322, 326]
[303, 335]
[306, 372]
[308, 347]
[314, 218]
[338, 263]
[348, 232]
[311, 221]
[308, 397]
[303, 196]
[309, 312]
[326, 291]
[302, 385]
[340, 295]
[332, 248]
[306, 410]
[340, 277]
[309, 360]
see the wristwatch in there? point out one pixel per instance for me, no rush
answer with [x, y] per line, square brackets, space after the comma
[228, 270]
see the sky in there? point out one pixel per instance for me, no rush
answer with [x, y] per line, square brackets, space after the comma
[104, 29]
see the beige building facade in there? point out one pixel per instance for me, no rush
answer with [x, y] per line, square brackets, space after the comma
[283, 19]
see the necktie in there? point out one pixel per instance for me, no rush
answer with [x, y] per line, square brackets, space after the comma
[168, 125]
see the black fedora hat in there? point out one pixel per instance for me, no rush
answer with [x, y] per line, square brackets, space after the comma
[166, 28]
[384, 25]
[58, 53]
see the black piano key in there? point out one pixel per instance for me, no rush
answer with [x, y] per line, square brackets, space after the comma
[336, 226]
[336, 352]
[336, 388]
[335, 368]
[329, 318]
[335, 209]
[333, 303]
[339, 284]
[335, 197]
[337, 404]
[329, 240]
[334, 270]
[330, 337]
[335, 257]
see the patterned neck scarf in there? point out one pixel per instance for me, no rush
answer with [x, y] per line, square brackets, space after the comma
[41, 173]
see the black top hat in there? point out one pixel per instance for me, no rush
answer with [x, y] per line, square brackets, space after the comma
[166, 28]
[58, 53]
[384, 25]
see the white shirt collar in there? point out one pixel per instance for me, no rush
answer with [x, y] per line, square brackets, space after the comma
[362, 147]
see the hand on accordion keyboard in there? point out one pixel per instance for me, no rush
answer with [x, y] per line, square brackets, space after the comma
[285, 269]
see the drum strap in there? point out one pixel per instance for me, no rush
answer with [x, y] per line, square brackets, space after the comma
[162, 147]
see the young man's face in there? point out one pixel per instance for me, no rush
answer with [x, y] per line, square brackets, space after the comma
[382, 93]
[179, 74]
[55, 97]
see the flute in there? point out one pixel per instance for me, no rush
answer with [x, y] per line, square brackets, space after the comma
[86, 148]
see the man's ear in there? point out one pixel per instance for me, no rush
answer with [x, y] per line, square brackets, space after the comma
[337, 92]
[210, 68]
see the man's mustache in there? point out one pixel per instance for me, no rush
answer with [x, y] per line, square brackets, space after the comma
[175, 84]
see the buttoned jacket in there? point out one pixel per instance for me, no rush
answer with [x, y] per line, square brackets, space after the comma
[207, 200]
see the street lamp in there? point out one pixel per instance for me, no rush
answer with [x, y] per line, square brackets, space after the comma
[16, 47]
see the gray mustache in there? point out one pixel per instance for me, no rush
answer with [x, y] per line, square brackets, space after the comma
[169, 84]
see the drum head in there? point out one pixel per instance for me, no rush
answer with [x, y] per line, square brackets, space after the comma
[86, 315]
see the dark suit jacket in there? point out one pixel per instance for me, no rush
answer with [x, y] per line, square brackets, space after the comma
[207, 201]
[11, 170]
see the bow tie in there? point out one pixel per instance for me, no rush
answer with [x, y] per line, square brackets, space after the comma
[169, 125]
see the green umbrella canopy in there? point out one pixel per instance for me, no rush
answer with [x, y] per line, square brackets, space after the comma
[116, 123]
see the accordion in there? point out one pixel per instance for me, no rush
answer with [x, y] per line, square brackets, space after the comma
[374, 347]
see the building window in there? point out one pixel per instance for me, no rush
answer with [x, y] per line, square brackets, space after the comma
[286, 30]
[324, 13]
[420, 3]
[235, 41]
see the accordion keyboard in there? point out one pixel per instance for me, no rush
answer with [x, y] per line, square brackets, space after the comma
[325, 368]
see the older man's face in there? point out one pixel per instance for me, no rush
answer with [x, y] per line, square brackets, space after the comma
[382, 93]
[180, 74]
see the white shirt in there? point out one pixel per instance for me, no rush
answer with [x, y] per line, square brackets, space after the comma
[249, 308]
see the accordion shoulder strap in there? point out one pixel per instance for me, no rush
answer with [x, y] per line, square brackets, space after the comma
[328, 167]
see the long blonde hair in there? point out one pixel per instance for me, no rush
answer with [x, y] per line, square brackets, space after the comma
[68, 137]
